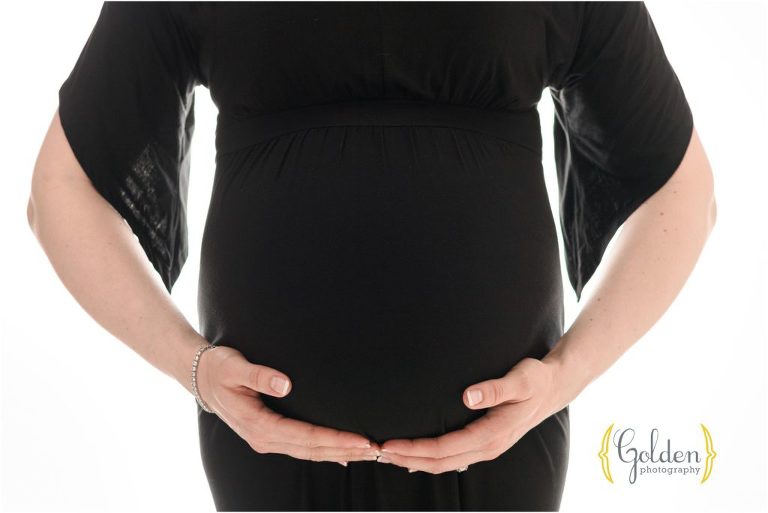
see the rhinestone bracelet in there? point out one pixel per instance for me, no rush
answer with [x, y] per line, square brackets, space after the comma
[203, 348]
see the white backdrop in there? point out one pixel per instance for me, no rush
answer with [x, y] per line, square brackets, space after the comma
[87, 424]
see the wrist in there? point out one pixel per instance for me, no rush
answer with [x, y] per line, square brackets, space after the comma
[570, 373]
[184, 354]
[197, 377]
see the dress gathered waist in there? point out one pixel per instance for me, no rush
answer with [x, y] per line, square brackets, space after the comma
[518, 127]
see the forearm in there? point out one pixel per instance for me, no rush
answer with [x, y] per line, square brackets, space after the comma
[654, 254]
[101, 263]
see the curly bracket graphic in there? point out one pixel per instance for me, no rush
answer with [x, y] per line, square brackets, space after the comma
[710, 454]
[603, 454]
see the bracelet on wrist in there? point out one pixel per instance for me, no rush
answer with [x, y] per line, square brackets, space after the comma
[203, 348]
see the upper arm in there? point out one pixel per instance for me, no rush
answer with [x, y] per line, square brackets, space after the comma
[125, 121]
[56, 160]
[691, 187]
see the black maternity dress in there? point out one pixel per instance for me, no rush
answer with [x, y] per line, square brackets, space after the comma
[379, 228]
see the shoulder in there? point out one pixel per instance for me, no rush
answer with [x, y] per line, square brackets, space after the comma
[563, 24]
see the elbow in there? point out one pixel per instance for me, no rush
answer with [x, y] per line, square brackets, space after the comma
[31, 213]
[712, 215]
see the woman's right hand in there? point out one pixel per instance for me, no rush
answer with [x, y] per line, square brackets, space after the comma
[230, 385]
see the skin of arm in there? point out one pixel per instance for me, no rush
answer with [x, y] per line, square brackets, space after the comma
[95, 254]
[654, 254]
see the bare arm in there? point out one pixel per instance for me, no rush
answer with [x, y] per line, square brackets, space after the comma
[101, 263]
[654, 254]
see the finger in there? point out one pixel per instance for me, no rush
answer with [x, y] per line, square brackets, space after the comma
[437, 465]
[515, 386]
[265, 380]
[476, 435]
[319, 453]
[278, 428]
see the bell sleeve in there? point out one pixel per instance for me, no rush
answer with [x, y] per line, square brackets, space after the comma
[622, 126]
[127, 110]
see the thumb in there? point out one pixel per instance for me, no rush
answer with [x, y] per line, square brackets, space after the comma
[266, 380]
[514, 386]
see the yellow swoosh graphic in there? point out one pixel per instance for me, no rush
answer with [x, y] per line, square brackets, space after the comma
[710, 454]
[603, 454]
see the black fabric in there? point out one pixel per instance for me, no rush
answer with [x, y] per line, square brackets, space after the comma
[622, 126]
[379, 227]
[127, 109]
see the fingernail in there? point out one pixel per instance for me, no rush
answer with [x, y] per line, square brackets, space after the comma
[384, 459]
[386, 450]
[474, 396]
[279, 384]
[342, 463]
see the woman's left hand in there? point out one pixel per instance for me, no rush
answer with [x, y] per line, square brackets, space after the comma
[516, 402]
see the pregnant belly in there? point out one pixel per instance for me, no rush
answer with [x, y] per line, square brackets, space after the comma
[382, 286]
